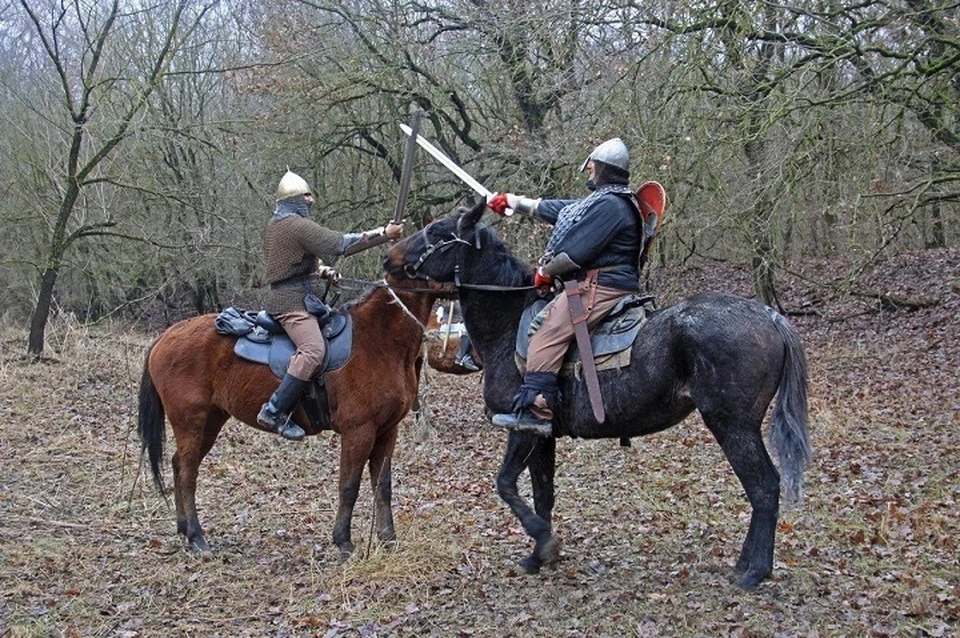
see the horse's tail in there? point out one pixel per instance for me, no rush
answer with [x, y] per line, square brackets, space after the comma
[150, 422]
[788, 433]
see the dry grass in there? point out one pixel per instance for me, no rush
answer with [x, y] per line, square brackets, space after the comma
[650, 533]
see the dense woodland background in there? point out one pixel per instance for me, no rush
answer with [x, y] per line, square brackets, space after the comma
[811, 150]
[143, 142]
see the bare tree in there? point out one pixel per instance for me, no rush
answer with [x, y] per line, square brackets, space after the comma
[102, 92]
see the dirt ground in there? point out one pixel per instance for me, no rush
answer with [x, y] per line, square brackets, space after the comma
[650, 533]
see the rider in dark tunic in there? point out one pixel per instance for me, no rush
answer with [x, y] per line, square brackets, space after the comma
[596, 240]
[295, 249]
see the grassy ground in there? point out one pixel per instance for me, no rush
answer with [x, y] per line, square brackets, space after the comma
[650, 533]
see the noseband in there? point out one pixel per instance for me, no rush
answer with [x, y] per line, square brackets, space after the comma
[411, 270]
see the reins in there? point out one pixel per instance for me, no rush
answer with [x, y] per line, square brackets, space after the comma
[360, 284]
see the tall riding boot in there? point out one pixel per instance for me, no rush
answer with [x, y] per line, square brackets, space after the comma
[275, 413]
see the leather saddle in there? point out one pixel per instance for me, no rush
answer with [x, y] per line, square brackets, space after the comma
[612, 337]
[267, 343]
[261, 339]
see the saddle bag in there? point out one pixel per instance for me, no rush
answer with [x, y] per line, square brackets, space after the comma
[234, 323]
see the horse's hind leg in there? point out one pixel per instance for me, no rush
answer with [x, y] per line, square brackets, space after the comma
[382, 483]
[193, 444]
[744, 449]
[521, 448]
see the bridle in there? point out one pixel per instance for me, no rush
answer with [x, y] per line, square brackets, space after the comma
[412, 271]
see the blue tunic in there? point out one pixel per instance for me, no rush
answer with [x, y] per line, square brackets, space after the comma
[607, 236]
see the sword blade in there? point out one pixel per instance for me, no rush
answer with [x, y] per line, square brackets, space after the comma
[452, 166]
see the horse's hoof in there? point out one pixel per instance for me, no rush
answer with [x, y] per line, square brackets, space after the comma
[530, 564]
[549, 553]
[199, 545]
[749, 579]
[389, 545]
[346, 551]
[741, 567]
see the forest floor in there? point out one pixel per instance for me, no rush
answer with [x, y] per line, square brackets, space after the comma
[650, 533]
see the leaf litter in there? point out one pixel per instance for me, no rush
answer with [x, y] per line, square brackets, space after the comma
[650, 532]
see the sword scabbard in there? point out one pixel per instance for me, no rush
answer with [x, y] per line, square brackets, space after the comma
[579, 318]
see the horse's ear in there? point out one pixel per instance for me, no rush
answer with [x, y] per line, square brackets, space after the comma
[473, 217]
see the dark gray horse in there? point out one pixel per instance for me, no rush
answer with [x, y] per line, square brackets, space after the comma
[725, 356]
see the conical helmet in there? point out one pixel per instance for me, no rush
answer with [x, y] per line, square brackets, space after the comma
[613, 152]
[292, 184]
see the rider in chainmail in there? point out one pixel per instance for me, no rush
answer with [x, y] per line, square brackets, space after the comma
[295, 249]
[596, 241]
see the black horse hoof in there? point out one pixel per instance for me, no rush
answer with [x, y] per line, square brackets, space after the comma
[749, 579]
[549, 552]
[531, 564]
[199, 545]
[346, 551]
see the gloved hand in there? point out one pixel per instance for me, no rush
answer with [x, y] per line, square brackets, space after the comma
[542, 281]
[393, 230]
[328, 273]
[500, 202]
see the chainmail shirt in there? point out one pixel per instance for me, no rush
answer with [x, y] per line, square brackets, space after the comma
[293, 247]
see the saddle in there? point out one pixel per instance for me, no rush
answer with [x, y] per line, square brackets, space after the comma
[261, 339]
[611, 340]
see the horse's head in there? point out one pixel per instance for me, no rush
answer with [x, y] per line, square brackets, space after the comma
[453, 249]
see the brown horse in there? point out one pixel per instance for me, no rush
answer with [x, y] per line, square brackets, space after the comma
[192, 376]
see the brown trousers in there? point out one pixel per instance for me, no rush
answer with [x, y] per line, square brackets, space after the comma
[549, 343]
[304, 331]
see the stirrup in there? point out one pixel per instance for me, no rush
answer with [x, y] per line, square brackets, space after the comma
[523, 422]
[290, 430]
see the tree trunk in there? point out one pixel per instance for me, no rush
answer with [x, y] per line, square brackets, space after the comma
[38, 320]
[48, 278]
[763, 279]
[939, 239]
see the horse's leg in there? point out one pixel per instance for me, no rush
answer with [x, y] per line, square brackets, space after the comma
[521, 448]
[542, 469]
[542, 465]
[748, 456]
[193, 444]
[382, 483]
[355, 448]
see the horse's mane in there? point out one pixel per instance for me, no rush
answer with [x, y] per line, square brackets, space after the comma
[500, 266]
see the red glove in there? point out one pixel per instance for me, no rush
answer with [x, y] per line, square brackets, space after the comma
[542, 282]
[498, 204]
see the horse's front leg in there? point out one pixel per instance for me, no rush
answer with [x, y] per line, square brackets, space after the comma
[382, 482]
[542, 465]
[355, 449]
[524, 448]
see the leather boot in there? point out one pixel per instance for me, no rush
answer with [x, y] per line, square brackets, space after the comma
[275, 413]
[533, 405]
[467, 363]
[525, 421]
